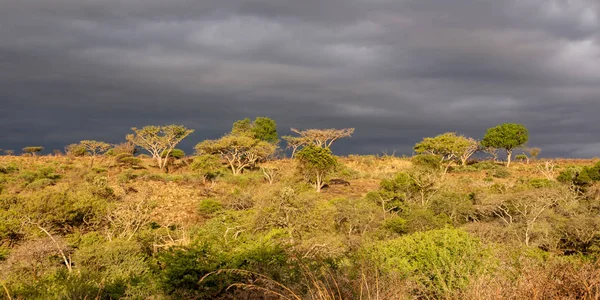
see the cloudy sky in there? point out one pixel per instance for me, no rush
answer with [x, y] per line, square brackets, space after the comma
[397, 70]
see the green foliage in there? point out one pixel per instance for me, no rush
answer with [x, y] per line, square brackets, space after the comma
[580, 177]
[128, 160]
[175, 153]
[9, 168]
[263, 128]
[182, 268]
[449, 146]
[33, 149]
[316, 159]
[441, 260]
[427, 161]
[501, 173]
[76, 150]
[506, 136]
[208, 165]
[240, 151]
[208, 207]
[315, 163]
[159, 139]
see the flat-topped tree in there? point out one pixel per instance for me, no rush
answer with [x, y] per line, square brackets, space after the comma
[449, 146]
[240, 151]
[295, 142]
[94, 148]
[324, 137]
[507, 136]
[158, 140]
[33, 150]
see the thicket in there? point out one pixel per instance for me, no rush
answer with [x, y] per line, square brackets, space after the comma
[381, 227]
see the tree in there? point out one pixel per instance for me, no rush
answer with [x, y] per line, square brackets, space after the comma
[94, 148]
[159, 139]
[9, 152]
[316, 162]
[125, 147]
[524, 209]
[240, 151]
[208, 165]
[324, 137]
[263, 128]
[534, 152]
[294, 142]
[449, 146]
[76, 150]
[507, 136]
[33, 150]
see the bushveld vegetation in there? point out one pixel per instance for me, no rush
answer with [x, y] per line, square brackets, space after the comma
[237, 220]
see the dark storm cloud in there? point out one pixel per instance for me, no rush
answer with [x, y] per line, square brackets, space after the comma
[395, 70]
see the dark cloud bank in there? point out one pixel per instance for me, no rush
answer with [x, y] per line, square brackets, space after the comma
[397, 70]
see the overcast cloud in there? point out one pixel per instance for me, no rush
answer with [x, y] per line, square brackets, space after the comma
[397, 70]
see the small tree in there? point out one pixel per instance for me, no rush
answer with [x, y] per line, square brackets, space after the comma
[324, 137]
[507, 136]
[9, 152]
[449, 146]
[316, 162]
[534, 152]
[33, 150]
[239, 151]
[159, 139]
[76, 150]
[208, 165]
[94, 148]
[125, 147]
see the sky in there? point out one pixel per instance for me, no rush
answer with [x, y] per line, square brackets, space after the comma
[396, 70]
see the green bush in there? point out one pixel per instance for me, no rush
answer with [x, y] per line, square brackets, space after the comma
[208, 207]
[441, 261]
[428, 161]
[501, 173]
[9, 168]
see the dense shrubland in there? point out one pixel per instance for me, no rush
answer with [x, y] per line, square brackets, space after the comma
[236, 222]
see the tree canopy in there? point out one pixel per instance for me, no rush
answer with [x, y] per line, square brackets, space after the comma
[159, 139]
[449, 146]
[316, 162]
[263, 128]
[240, 151]
[33, 150]
[506, 136]
[323, 137]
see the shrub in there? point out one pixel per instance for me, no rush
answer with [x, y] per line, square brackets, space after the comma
[208, 207]
[440, 261]
[428, 161]
[501, 173]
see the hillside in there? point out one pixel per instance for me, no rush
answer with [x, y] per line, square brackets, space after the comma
[401, 229]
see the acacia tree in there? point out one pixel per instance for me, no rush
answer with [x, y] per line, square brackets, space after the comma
[323, 137]
[294, 142]
[33, 150]
[240, 151]
[525, 209]
[507, 136]
[158, 140]
[449, 146]
[94, 148]
[316, 162]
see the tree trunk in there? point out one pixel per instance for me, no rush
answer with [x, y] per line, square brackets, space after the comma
[509, 155]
